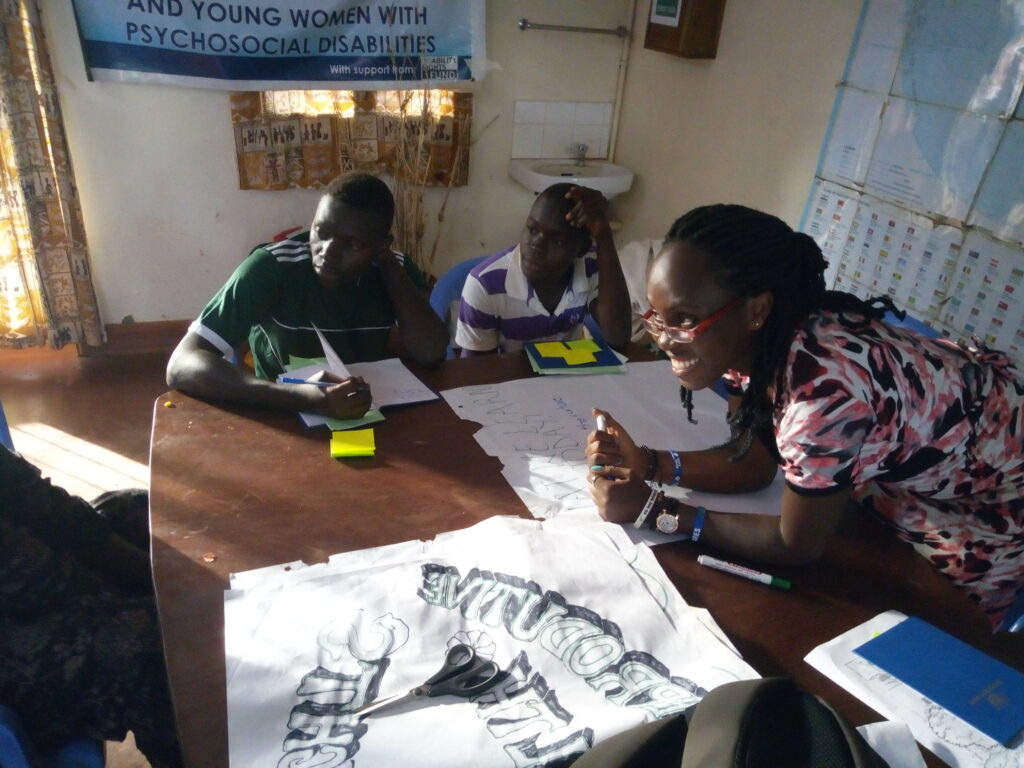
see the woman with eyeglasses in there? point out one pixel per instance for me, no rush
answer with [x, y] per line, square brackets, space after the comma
[923, 434]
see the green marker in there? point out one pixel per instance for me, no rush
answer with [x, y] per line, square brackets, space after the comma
[746, 573]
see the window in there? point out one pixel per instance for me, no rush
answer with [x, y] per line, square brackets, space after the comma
[304, 139]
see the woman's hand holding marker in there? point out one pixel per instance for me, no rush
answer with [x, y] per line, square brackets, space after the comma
[617, 467]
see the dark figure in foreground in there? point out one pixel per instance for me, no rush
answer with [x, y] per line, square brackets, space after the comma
[80, 646]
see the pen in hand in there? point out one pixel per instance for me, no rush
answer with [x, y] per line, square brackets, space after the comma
[360, 388]
[292, 380]
[602, 425]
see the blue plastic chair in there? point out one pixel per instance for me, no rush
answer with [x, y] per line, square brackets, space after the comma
[5, 440]
[446, 293]
[911, 323]
[17, 751]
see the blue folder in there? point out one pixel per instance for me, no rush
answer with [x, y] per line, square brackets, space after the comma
[577, 356]
[980, 690]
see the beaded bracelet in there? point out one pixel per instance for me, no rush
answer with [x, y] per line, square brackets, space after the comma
[698, 524]
[642, 517]
[652, 463]
[677, 467]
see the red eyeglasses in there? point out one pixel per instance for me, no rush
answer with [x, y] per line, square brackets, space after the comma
[657, 327]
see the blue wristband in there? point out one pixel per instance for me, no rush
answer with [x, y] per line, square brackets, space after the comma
[698, 523]
[677, 467]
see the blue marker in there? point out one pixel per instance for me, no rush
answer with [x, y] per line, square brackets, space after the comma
[292, 380]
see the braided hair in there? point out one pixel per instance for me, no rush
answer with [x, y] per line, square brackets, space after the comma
[752, 252]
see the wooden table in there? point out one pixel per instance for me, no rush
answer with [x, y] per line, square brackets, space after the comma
[235, 488]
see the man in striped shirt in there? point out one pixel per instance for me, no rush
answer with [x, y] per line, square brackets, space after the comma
[543, 288]
[340, 277]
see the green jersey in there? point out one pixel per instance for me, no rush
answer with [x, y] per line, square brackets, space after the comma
[274, 300]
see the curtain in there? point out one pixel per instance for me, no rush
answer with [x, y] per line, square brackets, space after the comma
[46, 290]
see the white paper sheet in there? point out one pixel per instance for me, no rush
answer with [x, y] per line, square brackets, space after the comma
[894, 743]
[949, 737]
[592, 633]
[878, 45]
[985, 298]
[538, 428]
[1000, 204]
[831, 212]
[334, 362]
[925, 158]
[855, 125]
[963, 54]
[391, 383]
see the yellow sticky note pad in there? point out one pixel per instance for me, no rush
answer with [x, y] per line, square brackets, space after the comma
[352, 442]
[574, 352]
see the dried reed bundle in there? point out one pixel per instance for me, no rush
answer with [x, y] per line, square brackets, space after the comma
[409, 168]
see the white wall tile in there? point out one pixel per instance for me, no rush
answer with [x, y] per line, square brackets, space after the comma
[529, 112]
[550, 128]
[591, 135]
[528, 141]
[591, 113]
[559, 112]
[557, 141]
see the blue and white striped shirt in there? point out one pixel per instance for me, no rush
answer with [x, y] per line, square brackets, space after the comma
[501, 310]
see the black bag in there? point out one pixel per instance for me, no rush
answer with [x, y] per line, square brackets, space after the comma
[768, 723]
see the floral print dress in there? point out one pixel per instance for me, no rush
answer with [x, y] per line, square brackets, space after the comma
[929, 435]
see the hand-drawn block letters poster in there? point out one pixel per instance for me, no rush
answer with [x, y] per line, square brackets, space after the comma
[591, 636]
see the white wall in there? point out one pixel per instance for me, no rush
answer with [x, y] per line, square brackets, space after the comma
[167, 223]
[745, 127]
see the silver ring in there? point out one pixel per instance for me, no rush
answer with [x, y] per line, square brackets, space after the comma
[593, 479]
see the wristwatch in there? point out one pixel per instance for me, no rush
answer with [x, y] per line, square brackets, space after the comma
[667, 522]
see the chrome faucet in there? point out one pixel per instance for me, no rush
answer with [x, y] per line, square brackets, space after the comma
[579, 151]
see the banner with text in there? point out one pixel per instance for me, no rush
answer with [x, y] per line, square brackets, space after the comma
[260, 45]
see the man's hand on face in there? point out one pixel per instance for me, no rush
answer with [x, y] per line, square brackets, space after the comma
[590, 211]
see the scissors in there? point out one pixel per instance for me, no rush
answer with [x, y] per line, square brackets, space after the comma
[463, 674]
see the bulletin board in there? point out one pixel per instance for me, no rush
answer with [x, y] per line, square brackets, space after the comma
[919, 191]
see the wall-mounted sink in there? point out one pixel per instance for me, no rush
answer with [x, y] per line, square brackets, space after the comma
[538, 175]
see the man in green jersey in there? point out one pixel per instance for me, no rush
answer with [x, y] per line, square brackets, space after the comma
[340, 277]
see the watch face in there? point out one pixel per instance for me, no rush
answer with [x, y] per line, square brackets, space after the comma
[667, 522]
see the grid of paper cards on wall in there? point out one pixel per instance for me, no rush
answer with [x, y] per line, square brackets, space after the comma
[591, 635]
